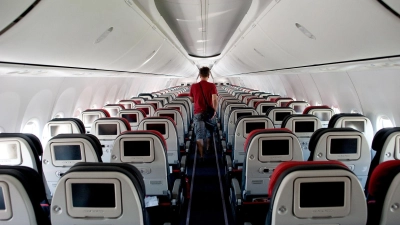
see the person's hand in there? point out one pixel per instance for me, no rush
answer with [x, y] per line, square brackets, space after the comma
[215, 113]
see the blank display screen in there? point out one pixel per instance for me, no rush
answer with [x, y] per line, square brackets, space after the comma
[93, 195]
[172, 116]
[107, 129]
[250, 126]
[132, 118]
[89, 119]
[146, 110]
[238, 115]
[279, 116]
[2, 202]
[136, 148]
[343, 146]
[113, 112]
[357, 125]
[323, 116]
[265, 108]
[304, 126]
[275, 147]
[60, 129]
[8, 151]
[322, 194]
[158, 127]
[299, 108]
[67, 152]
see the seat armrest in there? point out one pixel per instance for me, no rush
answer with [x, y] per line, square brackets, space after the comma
[183, 163]
[220, 134]
[237, 191]
[223, 144]
[175, 191]
[228, 163]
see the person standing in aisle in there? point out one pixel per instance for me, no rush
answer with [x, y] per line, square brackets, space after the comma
[204, 96]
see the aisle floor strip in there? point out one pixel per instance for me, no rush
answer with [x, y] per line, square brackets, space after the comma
[220, 184]
[191, 186]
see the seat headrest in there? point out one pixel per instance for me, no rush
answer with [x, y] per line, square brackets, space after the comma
[285, 168]
[93, 140]
[336, 117]
[381, 136]
[153, 132]
[34, 187]
[309, 108]
[98, 110]
[254, 133]
[160, 118]
[258, 103]
[125, 121]
[318, 134]
[382, 177]
[78, 122]
[164, 109]
[287, 118]
[273, 108]
[119, 105]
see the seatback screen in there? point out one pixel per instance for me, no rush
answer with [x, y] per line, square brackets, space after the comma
[93, 195]
[279, 116]
[67, 152]
[8, 151]
[357, 125]
[304, 126]
[107, 129]
[330, 194]
[238, 115]
[170, 115]
[158, 127]
[343, 146]
[265, 108]
[132, 118]
[136, 148]
[89, 119]
[2, 201]
[56, 129]
[113, 111]
[323, 116]
[275, 147]
[250, 126]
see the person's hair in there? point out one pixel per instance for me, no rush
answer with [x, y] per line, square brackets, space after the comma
[204, 72]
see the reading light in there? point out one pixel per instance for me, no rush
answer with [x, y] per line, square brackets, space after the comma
[305, 31]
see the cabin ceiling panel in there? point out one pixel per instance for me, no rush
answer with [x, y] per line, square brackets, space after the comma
[343, 30]
[11, 10]
[97, 34]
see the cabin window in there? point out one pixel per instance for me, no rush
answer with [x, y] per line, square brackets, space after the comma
[383, 122]
[336, 110]
[77, 113]
[59, 115]
[32, 126]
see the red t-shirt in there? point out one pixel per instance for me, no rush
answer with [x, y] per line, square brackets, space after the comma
[208, 89]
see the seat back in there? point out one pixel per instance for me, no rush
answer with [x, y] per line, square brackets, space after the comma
[113, 109]
[244, 126]
[226, 111]
[278, 114]
[166, 126]
[263, 106]
[298, 106]
[107, 130]
[62, 126]
[90, 115]
[386, 145]
[343, 144]
[147, 151]
[384, 189]
[223, 103]
[176, 116]
[100, 193]
[65, 150]
[355, 121]
[323, 112]
[316, 193]
[233, 117]
[133, 116]
[146, 96]
[271, 97]
[265, 150]
[188, 104]
[182, 109]
[251, 102]
[281, 102]
[303, 126]
[138, 100]
[156, 103]
[128, 103]
[21, 195]
[163, 100]
[149, 109]
[264, 95]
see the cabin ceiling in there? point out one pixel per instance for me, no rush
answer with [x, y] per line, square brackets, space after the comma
[155, 37]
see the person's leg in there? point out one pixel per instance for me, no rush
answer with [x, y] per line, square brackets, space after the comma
[200, 132]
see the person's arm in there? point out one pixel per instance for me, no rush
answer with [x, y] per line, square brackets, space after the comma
[215, 101]
[191, 98]
[191, 94]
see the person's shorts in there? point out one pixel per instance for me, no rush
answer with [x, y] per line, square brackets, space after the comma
[200, 128]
